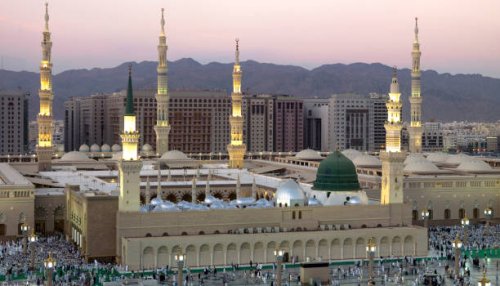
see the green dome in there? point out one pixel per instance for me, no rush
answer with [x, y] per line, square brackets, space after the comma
[336, 173]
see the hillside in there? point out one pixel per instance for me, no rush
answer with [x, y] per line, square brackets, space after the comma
[446, 97]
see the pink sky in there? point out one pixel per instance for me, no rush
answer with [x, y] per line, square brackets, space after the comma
[457, 36]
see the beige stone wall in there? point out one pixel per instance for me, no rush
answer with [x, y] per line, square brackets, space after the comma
[16, 207]
[48, 210]
[223, 249]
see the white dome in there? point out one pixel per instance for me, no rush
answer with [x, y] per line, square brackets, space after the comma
[313, 202]
[147, 148]
[421, 166]
[105, 148]
[116, 148]
[474, 165]
[174, 155]
[458, 159]
[117, 156]
[366, 160]
[95, 148]
[84, 148]
[290, 193]
[414, 157]
[75, 156]
[438, 157]
[308, 154]
[60, 148]
[351, 153]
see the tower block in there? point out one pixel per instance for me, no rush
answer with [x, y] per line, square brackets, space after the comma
[162, 127]
[415, 128]
[44, 147]
[392, 158]
[129, 165]
[236, 148]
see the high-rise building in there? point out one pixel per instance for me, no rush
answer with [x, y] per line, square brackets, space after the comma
[273, 123]
[379, 102]
[236, 148]
[316, 124]
[44, 148]
[392, 158]
[432, 137]
[198, 120]
[415, 129]
[13, 122]
[162, 127]
[351, 122]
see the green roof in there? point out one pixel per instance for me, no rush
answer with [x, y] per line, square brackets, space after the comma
[336, 173]
[129, 108]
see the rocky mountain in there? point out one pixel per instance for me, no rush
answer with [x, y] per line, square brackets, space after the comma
[446, 97]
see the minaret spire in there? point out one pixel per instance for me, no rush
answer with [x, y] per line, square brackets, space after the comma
[162, 127]
[44, 148]
[415, 129]
[236, 148]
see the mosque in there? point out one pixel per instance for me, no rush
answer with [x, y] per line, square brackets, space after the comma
[121, 204]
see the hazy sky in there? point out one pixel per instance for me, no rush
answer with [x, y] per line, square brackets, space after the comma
[457, 36]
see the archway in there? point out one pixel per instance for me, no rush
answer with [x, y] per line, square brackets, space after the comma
[186, 197]
[231, 254]
[285, 246]
[271, 247]
[336, 249]
[409, 247]
[298, 250]
[59, 219]
[205, 256]
[396, 246]
[258, 252]
[148, 258]
[40, 219]
[245, 253]
[310, 250]
[218, 254]
[384, 247]
[232, 196]
[3, 229]
[360, 248]
[447, 214]
[172, 198]
[461, 213]
[323, 253]
[191, 256]
[475, 213]
[175, 251]
[162, 260]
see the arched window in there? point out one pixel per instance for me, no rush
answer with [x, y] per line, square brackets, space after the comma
[461, 213]
[300, 214]
[475, 213]
[414, 215]
[148, 235]
[447, 214]
[293, 215]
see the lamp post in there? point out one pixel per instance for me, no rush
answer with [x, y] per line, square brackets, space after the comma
[484, 281]
[279, 261]
[425, 216]
[180, 264]
[457, 245]
[371, 248]
[488, 213]
[465, 223]
[24, 232]
[32, 238]
[49, 264]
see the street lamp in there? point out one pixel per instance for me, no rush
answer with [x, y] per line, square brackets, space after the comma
[425, 216]
[484, 281]
[279, 260]
[488, 213]
[465, 223]
[457, 245]
[180, 264]
[24, 232]
[371, 248]
[50, 264]
[32, 238]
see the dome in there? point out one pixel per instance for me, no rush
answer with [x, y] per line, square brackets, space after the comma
[290, 194]
[366, 160]
[147, 148]
[105, 148]
[458, 159]
[413, 157]
[474, 165]
[75, 156]
[336, 173]
[174, 155]
[438, 157]
[116, 148]
[211, 200]
[353, 200]
[313, 202]
[156, 201]
[420, 166]
[351, 153]
[84, 148]
[95, 148]
[308, 154]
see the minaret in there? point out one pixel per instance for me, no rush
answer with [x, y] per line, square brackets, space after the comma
[129, 165]
[415, 129]
[392, 158]
[44, 148]
[236, 148]
[162, 127]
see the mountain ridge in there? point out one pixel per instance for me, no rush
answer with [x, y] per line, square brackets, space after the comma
[446, 97]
